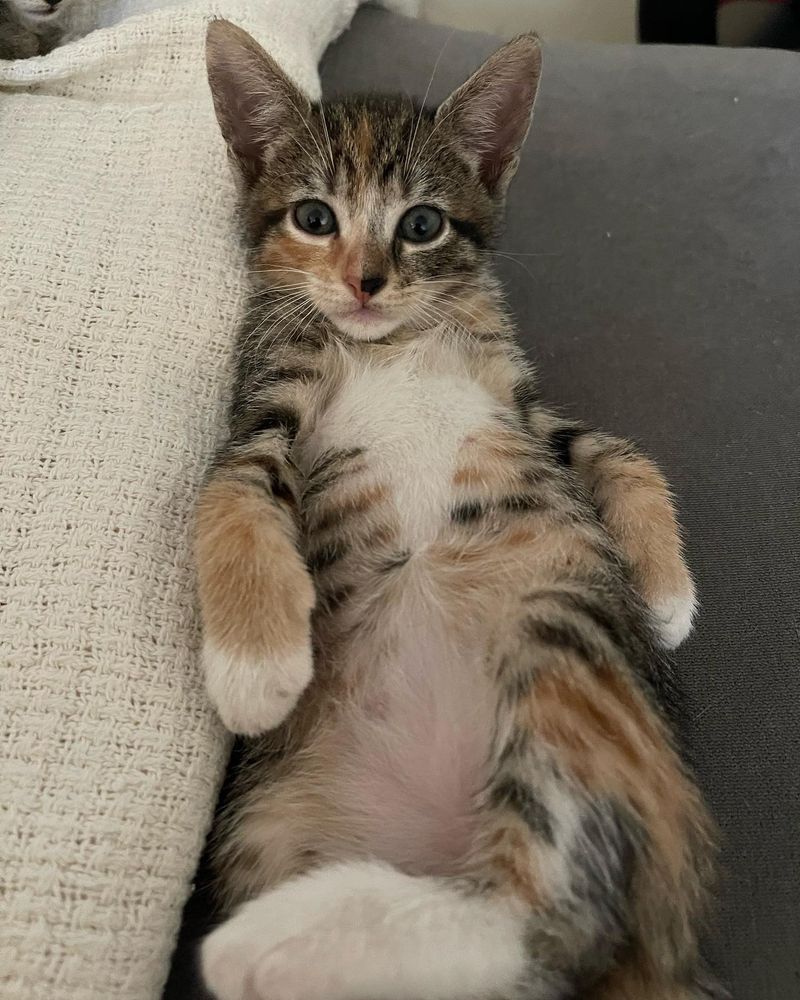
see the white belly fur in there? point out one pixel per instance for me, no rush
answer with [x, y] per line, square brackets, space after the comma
[412, 755]
[412, 423]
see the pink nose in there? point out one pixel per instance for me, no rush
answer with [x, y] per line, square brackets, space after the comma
[364, 288]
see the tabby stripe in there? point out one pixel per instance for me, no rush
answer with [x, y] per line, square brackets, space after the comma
[561, 443]
[466, 513]
[267, 222]
[277, 418]
[395, 562]
[509, 793]
[327, 555]
[520, 503]
[469, 231]
[335, 599]
[276, 486]
[525, 395]
[281, 490]
[565, 636]
[593, 610]
[292, 374]
[327, 470]
[516, 744]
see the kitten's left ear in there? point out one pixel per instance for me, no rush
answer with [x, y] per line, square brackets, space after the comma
[257, 105]
[490, 114]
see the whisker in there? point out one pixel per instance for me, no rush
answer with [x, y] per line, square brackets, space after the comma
[267, 328]
[410, 147]
[289, 300]
[279, 270]
[439, 121]
[313, 136]
[517, 253]
[327, 139]
[500, 253]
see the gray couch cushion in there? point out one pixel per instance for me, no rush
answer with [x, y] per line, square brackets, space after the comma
[657, 217]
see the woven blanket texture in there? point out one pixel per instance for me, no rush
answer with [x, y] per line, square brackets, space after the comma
[121, 283]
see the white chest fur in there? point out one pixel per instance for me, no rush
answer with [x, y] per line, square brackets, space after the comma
[411, 423]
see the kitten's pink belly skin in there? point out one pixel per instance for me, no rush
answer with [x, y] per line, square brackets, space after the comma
[413, 754]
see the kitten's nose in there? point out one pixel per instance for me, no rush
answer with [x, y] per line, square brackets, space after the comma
[372, 285]
[363, 288]
[52, 3]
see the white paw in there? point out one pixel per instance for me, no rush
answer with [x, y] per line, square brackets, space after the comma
[673, 617]
[230, 955]
[254, 696]
[299, 970]
[244, 960]
[233, 956]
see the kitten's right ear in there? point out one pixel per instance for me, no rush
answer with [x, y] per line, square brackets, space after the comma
[257, 105]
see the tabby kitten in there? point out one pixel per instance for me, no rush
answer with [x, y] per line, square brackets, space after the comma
[437, 599]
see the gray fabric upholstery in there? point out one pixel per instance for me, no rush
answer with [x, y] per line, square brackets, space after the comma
[657, 217]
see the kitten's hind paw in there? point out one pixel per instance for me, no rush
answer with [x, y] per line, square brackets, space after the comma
[255, 695]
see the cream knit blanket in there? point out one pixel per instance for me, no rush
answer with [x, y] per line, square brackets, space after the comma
[121, 281]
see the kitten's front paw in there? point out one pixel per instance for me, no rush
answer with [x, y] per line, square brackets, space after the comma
[673, 617]
[253, 696]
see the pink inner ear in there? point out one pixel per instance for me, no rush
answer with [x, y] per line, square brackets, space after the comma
[241, 108]
[255, 102]
[510, 119]
[491, 112]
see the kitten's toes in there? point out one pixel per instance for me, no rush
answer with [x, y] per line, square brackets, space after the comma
[255, 695]
[278, 977]
[673, 617]
[228, 958]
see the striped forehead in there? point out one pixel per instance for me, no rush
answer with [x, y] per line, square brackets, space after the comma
[370, 142]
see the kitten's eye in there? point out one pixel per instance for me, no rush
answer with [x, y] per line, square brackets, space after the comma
[315, 217]
[420, 224]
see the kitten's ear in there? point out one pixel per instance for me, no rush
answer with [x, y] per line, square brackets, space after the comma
[491, 113]
[257, 104]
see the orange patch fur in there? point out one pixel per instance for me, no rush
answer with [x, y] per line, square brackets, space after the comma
[638, 512]
[354, 503]
[506, 853]
[614, 745]
[255, 591]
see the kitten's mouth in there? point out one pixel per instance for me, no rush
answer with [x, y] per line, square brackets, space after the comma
[365, 314]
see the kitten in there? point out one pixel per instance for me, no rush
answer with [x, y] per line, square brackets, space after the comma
[436, 600]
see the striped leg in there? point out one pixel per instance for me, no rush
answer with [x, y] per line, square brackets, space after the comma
[637, 509]
[256, 594]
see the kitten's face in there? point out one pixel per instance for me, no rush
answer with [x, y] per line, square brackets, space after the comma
[370, 211]
[372, 216]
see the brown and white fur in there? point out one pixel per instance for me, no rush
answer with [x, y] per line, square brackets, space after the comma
[437, 601]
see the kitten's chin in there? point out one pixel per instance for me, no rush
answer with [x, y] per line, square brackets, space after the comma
[41, 15]
[364, 324]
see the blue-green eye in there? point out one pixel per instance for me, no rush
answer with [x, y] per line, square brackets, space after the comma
[420, 224]
[315, 217]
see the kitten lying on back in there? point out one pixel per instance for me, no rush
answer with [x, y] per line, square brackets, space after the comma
[440, 598]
